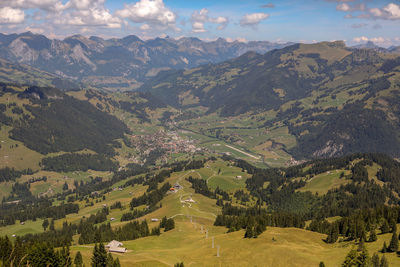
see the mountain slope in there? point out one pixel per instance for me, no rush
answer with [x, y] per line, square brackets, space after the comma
[335, 100]
[24, 74]
[46, 120]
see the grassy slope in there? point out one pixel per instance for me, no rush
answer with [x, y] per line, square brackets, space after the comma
[292, 247]
[323, 182]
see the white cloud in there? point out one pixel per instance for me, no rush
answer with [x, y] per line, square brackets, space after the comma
[253, 19]
[360, 39]
[389, 12]
[48, 5]
[377, 40]
[199, 18]
[145, 27]
[392, 11]
[350, 8]
[343, 7]
[86, 13]
[238, 39]
[36, 30]
[10, 15]
[152, 12]
[198, 27]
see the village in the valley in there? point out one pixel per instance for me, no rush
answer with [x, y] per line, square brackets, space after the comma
[161, 145]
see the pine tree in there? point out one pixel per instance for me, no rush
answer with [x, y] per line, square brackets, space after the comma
[372, 236]
[45, 224]
[155, 231]
[163, 222]
[384, 248]
[95, 255]
[249, 232]
[384, 262]
[99, 258]
[375, 260]
[351, 259]
[385, 227]
[393, 226]
[394, 243]
[169, 225]
[333, 234]
[363, 257]
[6, 248]
[41, 255]
[110, 260]
[78, 259]
[116, 263]
[321, 264]
[52, 225]
[65, 259]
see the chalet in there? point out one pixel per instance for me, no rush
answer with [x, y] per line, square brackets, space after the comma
[114, 243]
[115, 246]
[177, 186]
[117, 249]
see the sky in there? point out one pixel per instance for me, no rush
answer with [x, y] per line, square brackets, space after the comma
[307, 21]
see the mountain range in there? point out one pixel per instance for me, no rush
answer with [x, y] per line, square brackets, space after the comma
[119, 63]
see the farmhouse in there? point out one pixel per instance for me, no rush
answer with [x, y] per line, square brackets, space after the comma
[115, 246]
[114, 243]
[117, 249]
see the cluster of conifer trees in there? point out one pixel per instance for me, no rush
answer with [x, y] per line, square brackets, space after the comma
[78, 162]
[255, 219]
[200, 187]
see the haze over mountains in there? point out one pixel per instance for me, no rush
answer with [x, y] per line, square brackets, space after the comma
[119, 63]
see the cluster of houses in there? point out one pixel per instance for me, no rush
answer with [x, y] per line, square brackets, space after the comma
[169, 141]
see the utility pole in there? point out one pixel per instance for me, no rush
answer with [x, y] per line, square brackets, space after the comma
[218, 250]
[212, 238]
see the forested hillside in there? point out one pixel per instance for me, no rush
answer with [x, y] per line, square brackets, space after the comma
[55, 122]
